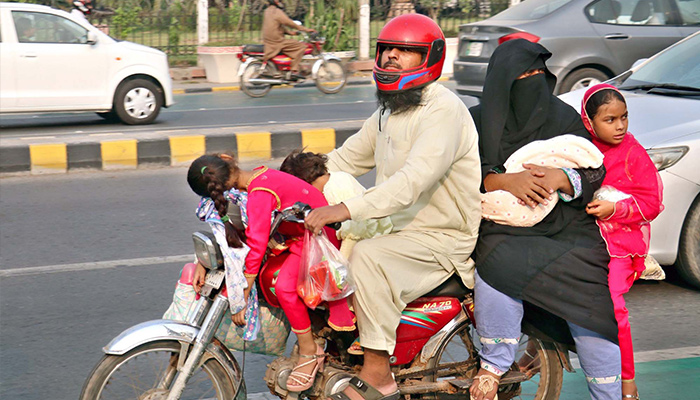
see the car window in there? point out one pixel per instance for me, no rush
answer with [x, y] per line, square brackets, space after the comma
[33, 27]
[531, 9]
[690, 11]
[640, 12]
[678, 65]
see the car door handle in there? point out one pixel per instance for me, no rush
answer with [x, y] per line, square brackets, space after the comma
[29, 55]
[616, 36]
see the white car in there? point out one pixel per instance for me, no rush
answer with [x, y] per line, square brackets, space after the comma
[663, 100]
[52, 61]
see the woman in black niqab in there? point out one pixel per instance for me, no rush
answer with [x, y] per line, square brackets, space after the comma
[556, 269]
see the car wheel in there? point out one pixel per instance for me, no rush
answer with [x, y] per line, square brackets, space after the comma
[582, 78]
[688, 263]
[138, 102]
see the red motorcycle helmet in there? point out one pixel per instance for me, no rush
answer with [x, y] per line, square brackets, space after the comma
[412, 31]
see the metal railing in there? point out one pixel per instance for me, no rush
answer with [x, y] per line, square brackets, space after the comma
[176, 34]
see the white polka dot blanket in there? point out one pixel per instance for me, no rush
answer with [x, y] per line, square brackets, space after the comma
[566, 151]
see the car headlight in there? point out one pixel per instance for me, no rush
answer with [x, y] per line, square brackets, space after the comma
[666, 157]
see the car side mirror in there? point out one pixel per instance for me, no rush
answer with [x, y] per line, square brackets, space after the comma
[91, 38]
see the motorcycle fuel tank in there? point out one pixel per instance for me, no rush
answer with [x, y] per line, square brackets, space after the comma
[420, 320]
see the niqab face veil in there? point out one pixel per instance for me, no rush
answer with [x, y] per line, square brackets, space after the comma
[514, 110]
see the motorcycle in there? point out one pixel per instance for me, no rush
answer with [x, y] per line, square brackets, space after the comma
[436, 351]
[257, 77]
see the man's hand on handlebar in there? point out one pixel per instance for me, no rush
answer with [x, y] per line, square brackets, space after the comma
[323, 216]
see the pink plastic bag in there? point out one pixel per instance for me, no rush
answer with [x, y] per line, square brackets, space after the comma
[324, 274]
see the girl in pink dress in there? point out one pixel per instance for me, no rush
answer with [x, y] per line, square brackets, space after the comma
[270, 190]
[630, 198]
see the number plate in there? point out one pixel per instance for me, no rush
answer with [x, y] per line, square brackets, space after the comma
[474, 49]
[214, 278]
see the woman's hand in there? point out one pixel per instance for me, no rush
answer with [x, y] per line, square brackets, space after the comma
[600, 209]
[198, 279]
[323, 216]
[528, 186]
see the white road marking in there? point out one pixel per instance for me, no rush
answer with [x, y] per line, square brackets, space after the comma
[88, 266]
[657, 355]
[106, 134]
[37, 137]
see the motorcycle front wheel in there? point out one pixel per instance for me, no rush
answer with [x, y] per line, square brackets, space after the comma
[255, 70]
[545, 370]
[331, 77]
[147, 371]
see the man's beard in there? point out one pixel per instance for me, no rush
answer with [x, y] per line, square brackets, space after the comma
[399, 102]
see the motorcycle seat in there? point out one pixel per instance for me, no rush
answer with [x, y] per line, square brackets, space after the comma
[452, 287]
[254, 48]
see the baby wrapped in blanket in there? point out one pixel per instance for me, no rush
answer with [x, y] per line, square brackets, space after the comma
[566, 151]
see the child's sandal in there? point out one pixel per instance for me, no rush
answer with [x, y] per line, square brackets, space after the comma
[299, 381]
[355, 348]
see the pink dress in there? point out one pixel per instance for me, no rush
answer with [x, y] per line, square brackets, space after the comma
[270, 190]
[627, 231]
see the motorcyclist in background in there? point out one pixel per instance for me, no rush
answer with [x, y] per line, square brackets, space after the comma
[81, 8]
[275, 26]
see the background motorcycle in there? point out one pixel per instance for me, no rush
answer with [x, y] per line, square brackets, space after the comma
[436, 353]
[257, 77]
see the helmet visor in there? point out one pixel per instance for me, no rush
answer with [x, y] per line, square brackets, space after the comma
[400, 57]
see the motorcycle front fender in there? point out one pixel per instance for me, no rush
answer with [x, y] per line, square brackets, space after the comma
[319, 62]
[165, 329]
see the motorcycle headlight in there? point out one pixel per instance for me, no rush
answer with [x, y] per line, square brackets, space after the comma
[207, 250]
[666, 157]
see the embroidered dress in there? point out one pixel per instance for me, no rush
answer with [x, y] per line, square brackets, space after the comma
[234, 262]
[270, 190]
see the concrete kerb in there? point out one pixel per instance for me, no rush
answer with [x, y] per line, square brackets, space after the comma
[207, 88]
[148, 149]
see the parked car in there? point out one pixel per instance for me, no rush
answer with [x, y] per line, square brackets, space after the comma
[52, 61]
[663, 100]
[590, 40]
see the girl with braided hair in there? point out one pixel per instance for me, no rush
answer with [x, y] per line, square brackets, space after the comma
[268, 190]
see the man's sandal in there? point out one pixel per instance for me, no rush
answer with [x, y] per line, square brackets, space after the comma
[299, 381]
[365, 390]
[486, 385]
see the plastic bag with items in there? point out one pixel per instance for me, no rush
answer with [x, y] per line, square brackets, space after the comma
[324, 274]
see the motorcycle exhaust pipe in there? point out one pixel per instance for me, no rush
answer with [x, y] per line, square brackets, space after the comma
[263, 81]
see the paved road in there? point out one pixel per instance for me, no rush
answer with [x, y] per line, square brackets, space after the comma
[213, 110]
[56, 319]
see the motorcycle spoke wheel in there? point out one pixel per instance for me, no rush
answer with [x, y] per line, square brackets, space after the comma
[331, 77]
[146, 372]
[462, 344]
[254, 70]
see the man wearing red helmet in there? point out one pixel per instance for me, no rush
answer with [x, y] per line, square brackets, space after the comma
[424, 146]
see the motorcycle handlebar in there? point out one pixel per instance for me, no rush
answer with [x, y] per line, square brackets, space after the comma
[299, 211]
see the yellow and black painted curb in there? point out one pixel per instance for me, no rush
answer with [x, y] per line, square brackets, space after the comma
[171, 150]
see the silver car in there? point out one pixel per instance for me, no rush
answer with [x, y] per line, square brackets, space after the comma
[663, 100]
[590, 40]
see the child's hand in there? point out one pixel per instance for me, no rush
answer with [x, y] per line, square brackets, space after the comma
[239, 318]
[198, 279]
[600, 208]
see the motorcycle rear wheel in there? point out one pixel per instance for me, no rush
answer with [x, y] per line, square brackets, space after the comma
[543, 385]
[331, 77]
[135, 375]
[254, 70]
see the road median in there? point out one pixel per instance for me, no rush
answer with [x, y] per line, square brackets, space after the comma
[167, 148]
